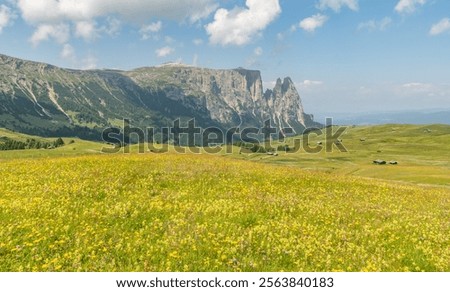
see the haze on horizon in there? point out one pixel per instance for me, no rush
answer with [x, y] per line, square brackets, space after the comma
[344, 55]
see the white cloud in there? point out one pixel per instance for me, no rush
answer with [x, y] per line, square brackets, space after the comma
[440, 27]
[51, 11]
[312, 23]
[310, 86]
[89, 62]
[46, 15]
[45, 11]
[58, 32]
[419, 90]
[253, 60]
[417, 86]
[86, 30]
[310, 83]
[253, 63]
[336, 5]
[113, 26]
[423, 89]
[148, 30]
[372, 25]
[6, 16]
[68, 52]
[164, 51]
[240, 26]
[408, 6]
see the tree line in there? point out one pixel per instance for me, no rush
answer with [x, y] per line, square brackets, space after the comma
[11, 144]
[257, 148]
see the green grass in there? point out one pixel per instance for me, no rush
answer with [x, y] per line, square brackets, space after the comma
[168, 212]
[423, 155]
[79, 147]
[73, 209]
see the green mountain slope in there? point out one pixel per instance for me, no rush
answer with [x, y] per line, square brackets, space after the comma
[46, 100]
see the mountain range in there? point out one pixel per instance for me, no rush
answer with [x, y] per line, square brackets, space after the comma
[46, 100]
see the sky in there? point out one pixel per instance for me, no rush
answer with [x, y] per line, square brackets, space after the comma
[344, 56]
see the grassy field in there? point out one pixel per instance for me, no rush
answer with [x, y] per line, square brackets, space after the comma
[79, 147]
[74, 209]
[168, 212]
[421, 151]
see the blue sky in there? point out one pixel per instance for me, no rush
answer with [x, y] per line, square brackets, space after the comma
[343, 55]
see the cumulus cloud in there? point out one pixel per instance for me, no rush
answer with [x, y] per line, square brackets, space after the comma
[85, 15]
[149, 30]
[6, 16]
[240, 26]
[312, 23]
[164, 51]
[39, 11]
[112, 26]
[68, 52]
[58, 32]
[373, 25]
[408, 6]
[440, 27]
[336, 5]
[89, 30]
[86, 30]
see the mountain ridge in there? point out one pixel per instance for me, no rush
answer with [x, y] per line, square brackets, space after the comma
[48, 100]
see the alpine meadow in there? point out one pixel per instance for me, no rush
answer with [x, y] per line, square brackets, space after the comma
[73, 209]
[224, 136]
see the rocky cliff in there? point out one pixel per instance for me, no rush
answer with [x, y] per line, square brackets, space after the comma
[43, 99]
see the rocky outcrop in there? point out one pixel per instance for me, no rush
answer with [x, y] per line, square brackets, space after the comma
[230, 97]
[43, 99]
